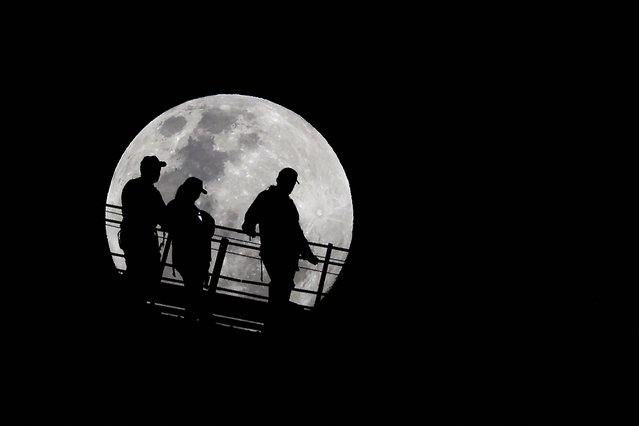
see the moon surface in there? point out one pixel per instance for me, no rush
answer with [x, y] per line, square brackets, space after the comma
[237, 144]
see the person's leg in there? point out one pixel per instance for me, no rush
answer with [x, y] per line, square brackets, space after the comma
[143, 273]
[279, 292]
[193, 293]
[153, 281]
[189, 285]
[199, 296]
[136, 280]
[274, 295]
[284, 316]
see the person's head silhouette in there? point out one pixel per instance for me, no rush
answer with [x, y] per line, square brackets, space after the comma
[286, 179]
[150, 168]
[191, 189]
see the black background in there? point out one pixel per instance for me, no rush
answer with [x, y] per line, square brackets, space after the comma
[476, 178]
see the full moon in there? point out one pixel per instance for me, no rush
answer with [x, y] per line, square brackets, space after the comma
[237, 144]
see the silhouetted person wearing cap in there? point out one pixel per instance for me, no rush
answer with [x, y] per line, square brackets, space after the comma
[191, 230]
[142, 210]
[282, 242]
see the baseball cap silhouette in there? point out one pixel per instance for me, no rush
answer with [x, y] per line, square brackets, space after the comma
[287, 174]
[195, 183]
[152, 161]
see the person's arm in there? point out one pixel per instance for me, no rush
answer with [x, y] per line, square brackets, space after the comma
[162, 212]
[252, 216]
[208, 222]
[171, 221]
[305, 249]
[135, 212]
[127, 200]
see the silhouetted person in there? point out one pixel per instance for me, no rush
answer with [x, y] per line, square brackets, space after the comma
[282, 242]
[142, 210]
[191, 230]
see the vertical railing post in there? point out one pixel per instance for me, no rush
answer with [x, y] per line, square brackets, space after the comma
[327, 259]
[155, 291]
[165, 255]
[217, 268]
[215, 278]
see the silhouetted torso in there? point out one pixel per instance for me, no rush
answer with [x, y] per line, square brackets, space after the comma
[282, 244]
[142, 206]
[191, 230]
[142, 210]
[280, 233]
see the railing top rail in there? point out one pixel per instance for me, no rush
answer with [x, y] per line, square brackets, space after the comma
[226, 228]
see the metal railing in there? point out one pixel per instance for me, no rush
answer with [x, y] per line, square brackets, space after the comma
[227, 243]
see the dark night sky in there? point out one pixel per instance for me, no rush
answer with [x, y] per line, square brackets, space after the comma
[472, 184]
[452, 182]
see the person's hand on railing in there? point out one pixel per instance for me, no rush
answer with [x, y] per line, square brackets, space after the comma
[312, 258]
[249, 231]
